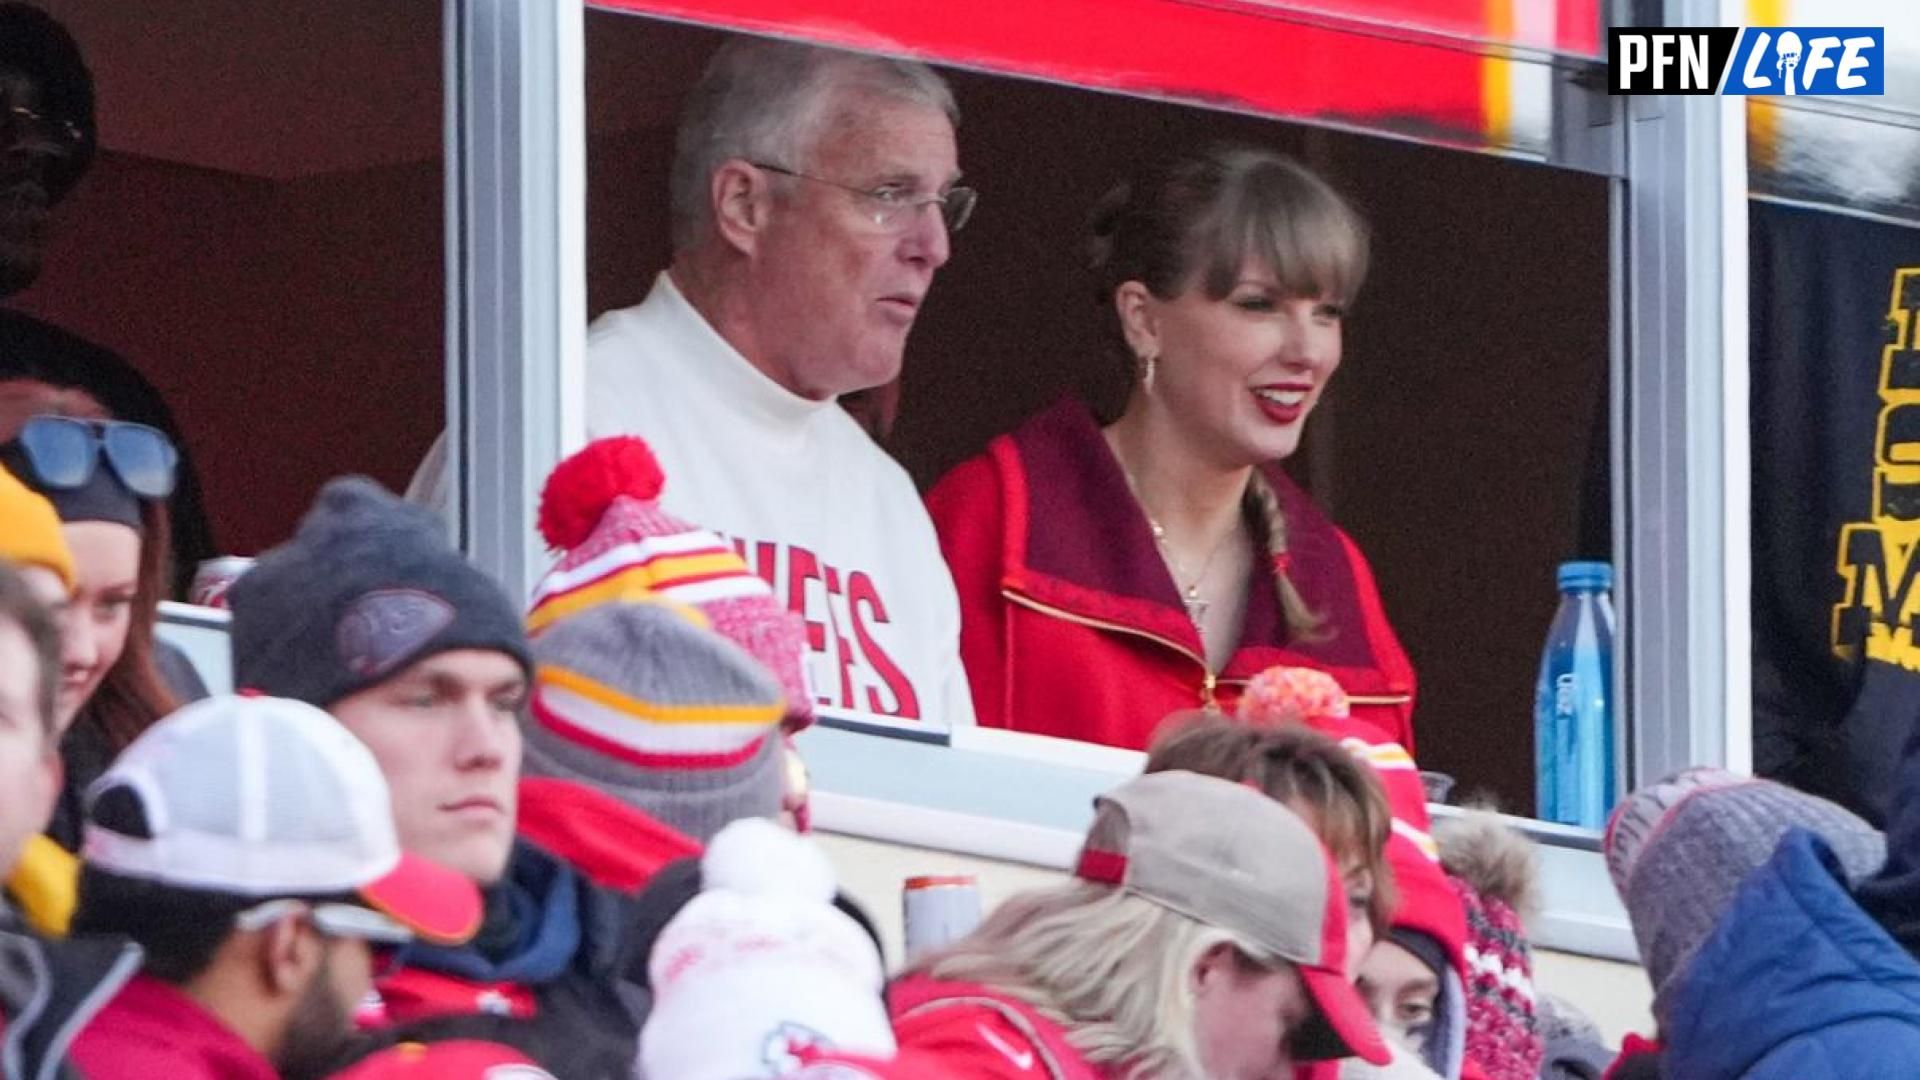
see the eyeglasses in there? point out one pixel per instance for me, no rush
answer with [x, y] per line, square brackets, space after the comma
[63, 453]
[332, 920]
[61, 131]
[890, 206]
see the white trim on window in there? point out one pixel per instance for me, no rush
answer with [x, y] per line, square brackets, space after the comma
[516, 268]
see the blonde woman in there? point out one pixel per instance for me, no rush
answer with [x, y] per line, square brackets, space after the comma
[1205, 939]
[1165, 557]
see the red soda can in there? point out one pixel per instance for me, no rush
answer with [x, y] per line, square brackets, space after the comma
[214, 577]
[938, 910]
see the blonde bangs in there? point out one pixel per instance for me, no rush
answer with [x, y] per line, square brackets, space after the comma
[1276, 214]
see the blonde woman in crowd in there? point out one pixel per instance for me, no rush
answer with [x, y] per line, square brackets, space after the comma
[1205, 938]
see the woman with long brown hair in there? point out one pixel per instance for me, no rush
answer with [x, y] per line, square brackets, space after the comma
[1110, 574]
[109, 482]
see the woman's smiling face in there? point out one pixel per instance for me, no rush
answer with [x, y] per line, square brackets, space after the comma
[1242, 372]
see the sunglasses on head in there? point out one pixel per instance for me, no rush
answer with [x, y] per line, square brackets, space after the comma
[64, 451]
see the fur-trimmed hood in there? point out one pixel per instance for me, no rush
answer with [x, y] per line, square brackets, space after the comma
[1493, 858]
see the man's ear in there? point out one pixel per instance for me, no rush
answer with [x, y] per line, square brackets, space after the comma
[290, 952]
[741, 197]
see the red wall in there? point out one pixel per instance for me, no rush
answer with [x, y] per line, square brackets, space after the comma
[295, 328]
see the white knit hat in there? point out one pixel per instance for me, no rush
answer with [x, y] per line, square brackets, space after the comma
[761, 967]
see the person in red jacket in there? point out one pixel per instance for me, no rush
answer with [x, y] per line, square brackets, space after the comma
[1205, 935]
[1166, 557]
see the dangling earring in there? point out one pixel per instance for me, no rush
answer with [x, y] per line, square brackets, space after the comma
[1147, 365]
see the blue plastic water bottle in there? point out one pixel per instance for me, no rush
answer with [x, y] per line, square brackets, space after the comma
[1573, 704]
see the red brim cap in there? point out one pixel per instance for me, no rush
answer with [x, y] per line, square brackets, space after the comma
[1347, 1015]
[437, 904]
[464, 1059]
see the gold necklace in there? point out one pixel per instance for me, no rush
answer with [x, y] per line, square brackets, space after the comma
[1189, 593]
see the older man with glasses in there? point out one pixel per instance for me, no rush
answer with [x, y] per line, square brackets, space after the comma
[814, 194]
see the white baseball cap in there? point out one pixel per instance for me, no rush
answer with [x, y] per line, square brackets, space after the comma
[271, 798]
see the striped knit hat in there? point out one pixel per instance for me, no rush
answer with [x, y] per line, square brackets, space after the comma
[601, 511]
[640, 700]
[1503, 1028]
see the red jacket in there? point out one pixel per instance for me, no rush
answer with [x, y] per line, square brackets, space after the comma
[1071, 625]
[152, 1030]
[981, 1034]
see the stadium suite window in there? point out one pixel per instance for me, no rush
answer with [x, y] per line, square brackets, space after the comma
[1476, 359]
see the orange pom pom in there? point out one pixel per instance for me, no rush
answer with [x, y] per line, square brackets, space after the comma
[584, 485]
[1285, 695]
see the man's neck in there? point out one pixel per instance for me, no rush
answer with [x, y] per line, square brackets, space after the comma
[721, 299]
[239, 1006]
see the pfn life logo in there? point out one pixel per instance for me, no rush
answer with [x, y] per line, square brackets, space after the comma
[1842, 61]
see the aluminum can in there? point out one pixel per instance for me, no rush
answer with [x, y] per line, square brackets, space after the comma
[938, 910]
[214, 577]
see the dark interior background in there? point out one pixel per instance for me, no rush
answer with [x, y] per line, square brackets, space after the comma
[263, 237]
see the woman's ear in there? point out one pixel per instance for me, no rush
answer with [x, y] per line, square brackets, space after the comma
[1134, 303]
[1212, 969]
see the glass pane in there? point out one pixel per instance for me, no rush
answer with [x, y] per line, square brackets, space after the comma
[258, 245]
[1465, 343]
[1470, 74]
[1843, 156]
[1567, 27]
[1853, 153]
[1834, 300]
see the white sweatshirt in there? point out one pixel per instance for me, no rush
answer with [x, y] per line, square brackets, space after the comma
[813, 505]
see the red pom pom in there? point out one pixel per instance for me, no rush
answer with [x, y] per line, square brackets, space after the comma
[584, 485]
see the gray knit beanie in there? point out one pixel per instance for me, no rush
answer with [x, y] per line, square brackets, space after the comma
[641, 701]
[367, 587]
[1679, 849]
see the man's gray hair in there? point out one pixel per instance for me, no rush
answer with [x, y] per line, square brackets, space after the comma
[770, 101]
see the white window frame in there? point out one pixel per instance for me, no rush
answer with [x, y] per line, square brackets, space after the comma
[516, 295]
[516, 269]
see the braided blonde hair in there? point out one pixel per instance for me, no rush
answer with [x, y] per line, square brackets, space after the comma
[1303, 623]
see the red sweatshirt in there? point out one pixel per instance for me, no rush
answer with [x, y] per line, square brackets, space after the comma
[981, 1034]
[153, 1031]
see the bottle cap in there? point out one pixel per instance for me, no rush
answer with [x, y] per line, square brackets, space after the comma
[940, 881]
[1586, 575]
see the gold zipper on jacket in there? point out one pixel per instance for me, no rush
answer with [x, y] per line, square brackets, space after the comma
[1209, 682]
[1378, 699]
